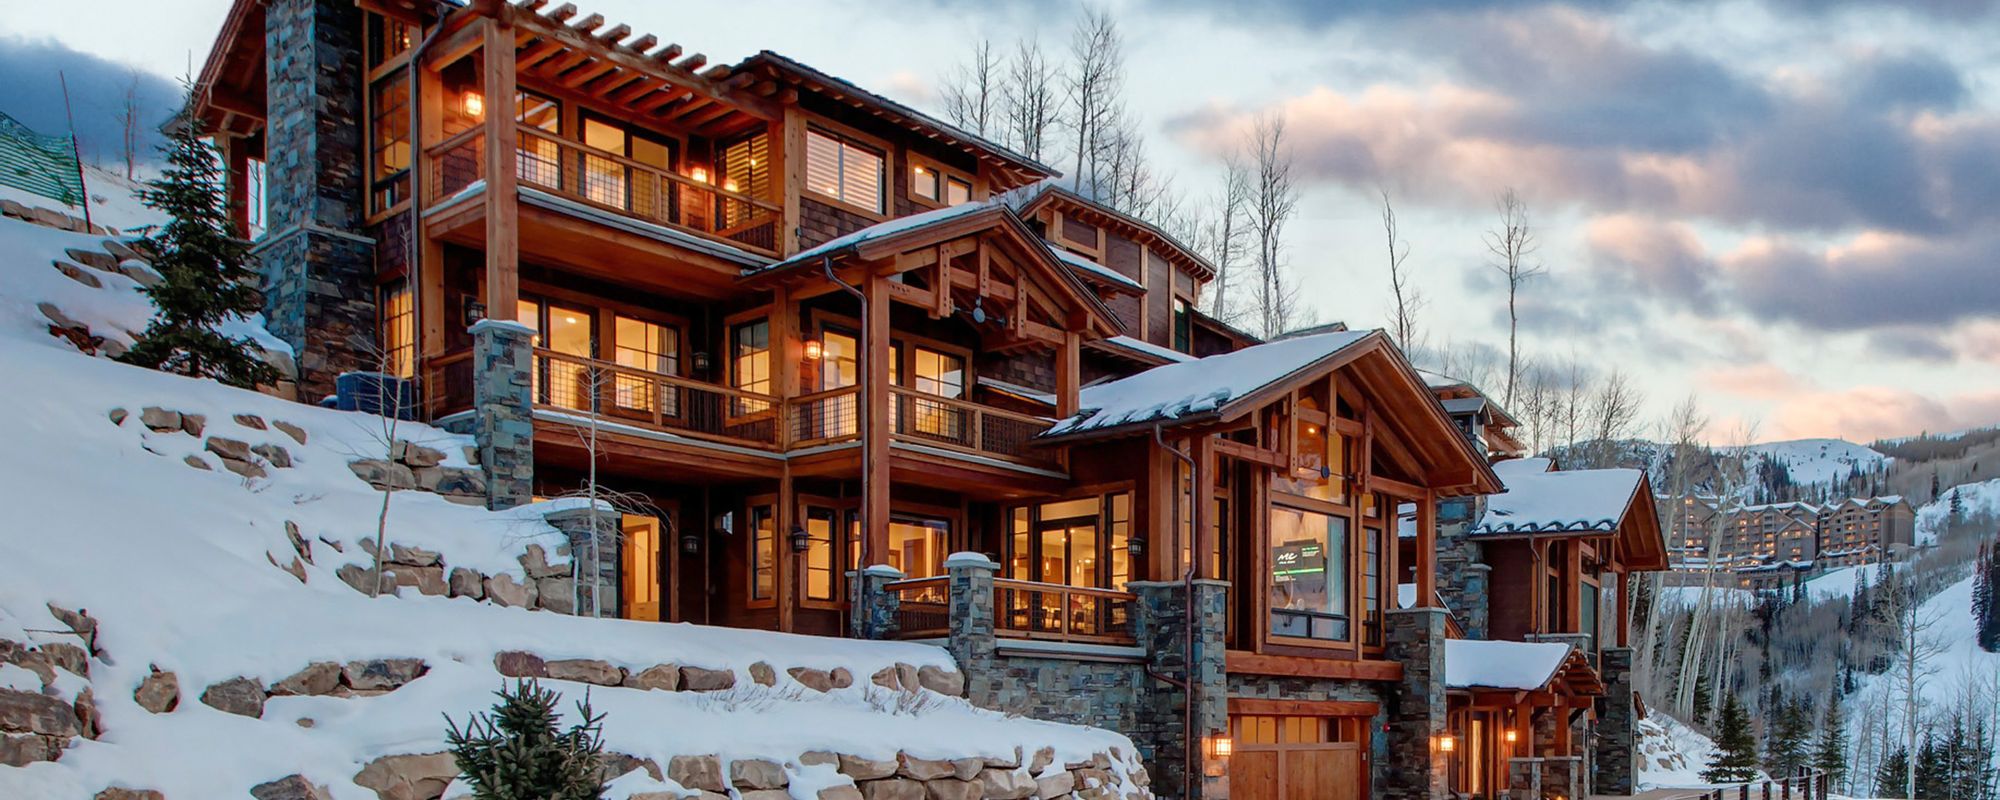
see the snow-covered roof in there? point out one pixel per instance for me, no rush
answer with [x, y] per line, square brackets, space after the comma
[1199, 386]
[1147, 348]
[1537, 501]
[877, 231]
[1095, 269]
[1464, 405]
[1018, 390]
[1525, 666]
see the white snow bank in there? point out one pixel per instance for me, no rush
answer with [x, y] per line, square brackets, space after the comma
[114, 201]
[1975, 500]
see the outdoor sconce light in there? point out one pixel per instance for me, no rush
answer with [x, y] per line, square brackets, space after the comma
[1512, 736]
[690, 542]
[1447, 743]
[474, 104]
[701, 362]
[474, 312]
[729, 185]
[800, 541]
[814, 349]
[699, 174]
[1216, 750]
[1136, 546]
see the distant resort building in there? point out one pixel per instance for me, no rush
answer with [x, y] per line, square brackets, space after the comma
[1771, 545]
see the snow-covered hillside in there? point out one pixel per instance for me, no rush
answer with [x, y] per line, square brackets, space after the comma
[210, 550]
[1980, 499]
[114, 201]
[1671, 755]
[1820, 462]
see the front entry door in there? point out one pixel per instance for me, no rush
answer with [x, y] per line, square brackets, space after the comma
[1297, 758]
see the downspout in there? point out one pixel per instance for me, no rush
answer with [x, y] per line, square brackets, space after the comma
[1195, 552]
[414, 274]
[860, 414]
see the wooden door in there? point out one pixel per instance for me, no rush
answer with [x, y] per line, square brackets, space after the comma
[1297, 758]
[643, 586]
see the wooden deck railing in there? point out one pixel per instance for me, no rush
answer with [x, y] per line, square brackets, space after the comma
[960, 425]
[1029, 610]
[720, 413]
[1808, 783]
[666, 402]
[613, 182]
[923, 607]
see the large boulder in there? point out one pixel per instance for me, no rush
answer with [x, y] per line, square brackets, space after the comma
[698, 679]
[762, 674]
[557, 594]
[892, 789]
[697, 772]
[520, 664]
[866, 769]
[382, 674]
[924, 769]
[290, 787]
[239, 695]
[413, 556]
[942, 681]
[427, 580]
[34, 712]
[757, 773]
[1055, 784]
[20, 750]
[536, 562]
[505, 590]
[122, 793]
[383, 474]
[998, 784]
[586, 670]
[408, 777]
[319, 677]
[465, 582]
[952, 789]
[228, 448]
[818, 680]
[159, 692]
[659, 677]
[67, 656]
[161, 420]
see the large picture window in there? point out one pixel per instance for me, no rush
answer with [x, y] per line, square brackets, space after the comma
[1080, 542]
[845, 170]
[1309, 575]
[389, 141]
[399, 330]
[647, 347]
[750, 364]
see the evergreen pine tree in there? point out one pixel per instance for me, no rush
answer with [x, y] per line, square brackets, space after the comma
[1704, 699]
[1933, 770]
[1957, 505]
[204, 273]
[1830, 752]
[1982, 596]
[1735, 746]
[1893, 774]
[1791, 729]
[516, 752]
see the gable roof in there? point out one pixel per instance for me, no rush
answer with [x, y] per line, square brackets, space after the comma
[1225, 386]
[1583, 502]
[905, 234]
[1019, 168]
[1028, 199]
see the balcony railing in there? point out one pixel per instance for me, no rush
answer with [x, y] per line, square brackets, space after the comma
[1029, 610]
[923, 607]
[612, 182]
[697, 409]
[666, 402]
[960, 425]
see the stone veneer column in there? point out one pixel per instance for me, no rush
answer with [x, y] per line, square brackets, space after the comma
[874, 605]
[1160, 626]
[971, 624]
[1415, 637]
[1617, 748]
[502, 407]
[595, 532]
[1462, 577]
[318, 269]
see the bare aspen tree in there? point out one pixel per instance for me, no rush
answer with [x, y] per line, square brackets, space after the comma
[1681, 431]
[1513, 243]
[1092, 84]
[973, 93]
[1029, 93]
[1613, 409]
[1919, 642]
[128, 121]
[1226, 245]
[1403, 326]
[1733, 474]
[1274, 199]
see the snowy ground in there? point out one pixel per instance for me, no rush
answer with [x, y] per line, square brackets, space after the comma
[175, 565]
[1975, 500]
[1820, 461]
[1671, 755]
[114, 201]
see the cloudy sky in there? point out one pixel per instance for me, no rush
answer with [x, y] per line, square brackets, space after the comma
[1788, 207]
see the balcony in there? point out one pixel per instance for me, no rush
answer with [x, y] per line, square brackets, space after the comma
[564, 383]
[606, 181]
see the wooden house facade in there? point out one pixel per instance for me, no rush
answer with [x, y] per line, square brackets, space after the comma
[863, 374]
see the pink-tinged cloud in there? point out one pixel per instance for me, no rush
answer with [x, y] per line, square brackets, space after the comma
[1867, 413]
[1759, 381]
[1655, 255]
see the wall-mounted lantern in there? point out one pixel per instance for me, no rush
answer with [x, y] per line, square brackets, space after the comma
[800, 539]
[1136, 546]
[474, 312]
[1447, 743]
[1216, 750]
[814, 349]
[473, 103]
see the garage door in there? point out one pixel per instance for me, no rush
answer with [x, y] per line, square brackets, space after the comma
[1297, 758]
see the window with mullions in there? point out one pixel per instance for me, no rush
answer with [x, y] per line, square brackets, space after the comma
[389, 142]
[1078, 542]
[829, 551]
[750, 364]
[763, 553]
[1309, 574]
[1183, 326]
[645, 347]
[387, 39]
[399, 330]
[1371, 586]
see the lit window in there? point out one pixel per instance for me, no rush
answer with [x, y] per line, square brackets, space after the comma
[924, 182]
[822, 570]
[399, 330]
[646, 347]
[844, 171]
[1309, 574]
[957, 192]
[750, 363]
[763, 553]
[1183, 325]
[389, 141]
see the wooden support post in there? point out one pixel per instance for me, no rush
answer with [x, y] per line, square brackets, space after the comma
[236, 154]
[1069, 373]
[875, 398]
[503, 229]
[1202, 527]
[787, 563]
[1426, 567]
[433, 317]
[788, 151]
[1624, 608]
[1572, 586]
